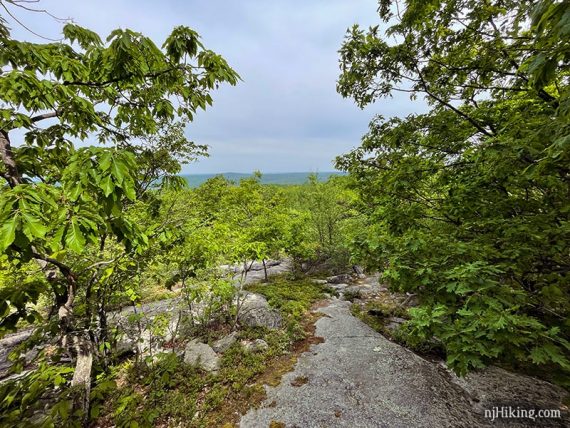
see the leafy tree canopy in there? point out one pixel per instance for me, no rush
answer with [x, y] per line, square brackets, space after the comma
[65, 205]
[467, 205]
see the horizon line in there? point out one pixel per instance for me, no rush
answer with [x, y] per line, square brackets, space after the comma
[264, 173]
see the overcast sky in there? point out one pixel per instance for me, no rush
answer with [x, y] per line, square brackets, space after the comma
[286, 115]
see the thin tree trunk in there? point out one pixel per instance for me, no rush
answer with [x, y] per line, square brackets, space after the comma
[239, 300]
[79, 344]
[265, 271]
[82, 375]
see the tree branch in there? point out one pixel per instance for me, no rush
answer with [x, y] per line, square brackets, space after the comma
[44, 116]
[119, 79]
[451, 107]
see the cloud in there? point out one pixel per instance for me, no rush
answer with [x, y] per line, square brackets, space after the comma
[286, 114]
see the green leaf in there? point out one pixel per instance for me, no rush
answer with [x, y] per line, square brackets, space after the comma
[75, 191]
[8, 232]
[105, 162]
[118, 170]
[129, 189]
[33, 226]
[107, 185]
[74, 238]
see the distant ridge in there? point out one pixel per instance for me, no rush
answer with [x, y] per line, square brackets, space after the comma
[194, 180]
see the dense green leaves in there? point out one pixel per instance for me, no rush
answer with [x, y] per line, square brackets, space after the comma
[467, 205]
[72, 212]
[551, 27]
[22, 396]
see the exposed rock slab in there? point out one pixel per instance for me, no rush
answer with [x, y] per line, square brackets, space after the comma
[496, 387]
[394, 322]
[257, 273]
[175, 307]
[358, 378]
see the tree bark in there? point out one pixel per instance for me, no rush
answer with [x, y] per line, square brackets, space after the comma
[82, 374]
[12, 174]
[79, 344]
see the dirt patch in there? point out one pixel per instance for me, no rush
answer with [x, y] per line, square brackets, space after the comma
[286, 363]
[276, 369]
[299, 381]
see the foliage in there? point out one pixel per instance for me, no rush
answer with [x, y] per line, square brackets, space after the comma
[467, 205]
[377, 314]
[57, 199]
[222, 221]
[372, 314]
[74, 210]
[160, 158]
[21, 287]
[328, 222]
[24, 399]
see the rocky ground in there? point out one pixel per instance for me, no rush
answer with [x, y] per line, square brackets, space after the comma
[356, 377]
[254, 311]
[359, 378]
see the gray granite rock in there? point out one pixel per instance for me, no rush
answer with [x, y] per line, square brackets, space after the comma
[496, 387]
[223, 344]
[358, 378]
[394, 323]
[256, 312]
[201, 354]
[339, 279]
[338, 287]
[7, 344]
[258, 345]
[358, 270]
[354, 289]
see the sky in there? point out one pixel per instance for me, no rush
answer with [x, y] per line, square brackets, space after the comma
[285, 115]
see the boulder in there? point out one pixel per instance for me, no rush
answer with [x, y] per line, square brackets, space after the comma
[411, 300]
[319, 281]
[338, 287]
[197, 353]
[223, 344]
[256, 312]
[339, 279]
[258, 345]
[133, 342]
[358, 270]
